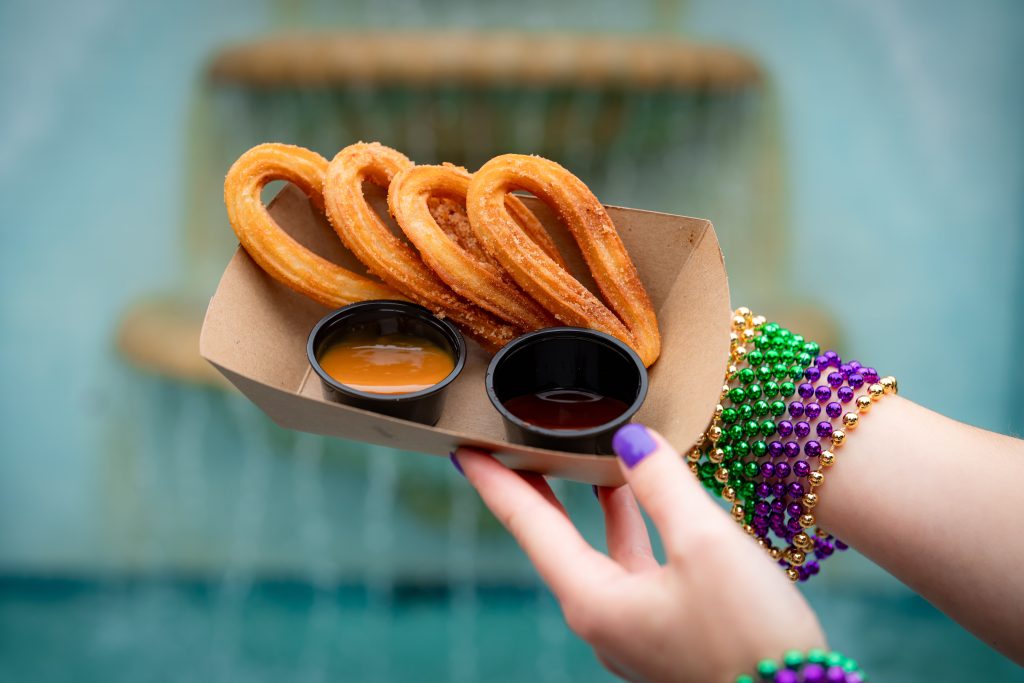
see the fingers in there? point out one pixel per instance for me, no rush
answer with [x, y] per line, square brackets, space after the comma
[625, 530]
[669, 493]
[527, 507]
[541, 486]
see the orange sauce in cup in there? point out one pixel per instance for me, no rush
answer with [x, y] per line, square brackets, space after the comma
[388, 364]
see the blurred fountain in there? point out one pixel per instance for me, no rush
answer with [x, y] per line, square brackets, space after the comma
[378, 526]
[462, 548]
[645, 121]
[315, 542]
[250, 511]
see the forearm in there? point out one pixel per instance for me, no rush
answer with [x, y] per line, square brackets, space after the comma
[939, 505]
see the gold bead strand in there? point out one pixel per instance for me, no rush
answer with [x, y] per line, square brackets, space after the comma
[744, 332]
[827, 458]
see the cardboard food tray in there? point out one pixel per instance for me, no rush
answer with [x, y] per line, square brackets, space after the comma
[255, 334]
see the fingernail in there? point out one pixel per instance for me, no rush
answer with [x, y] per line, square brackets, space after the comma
[594, 487]
[455, 463]
[633, 443]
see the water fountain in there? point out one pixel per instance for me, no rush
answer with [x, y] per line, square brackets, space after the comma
[646, 121]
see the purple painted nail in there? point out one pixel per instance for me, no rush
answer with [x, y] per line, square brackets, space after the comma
[455, 463]
[633, 443]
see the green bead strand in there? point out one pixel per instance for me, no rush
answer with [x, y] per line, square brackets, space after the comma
[767, 668]
[795, 661]
[793, 658]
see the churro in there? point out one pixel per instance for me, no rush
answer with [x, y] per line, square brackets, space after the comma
[384, 254]
[630, 317]
[455, 256]
[276, 252]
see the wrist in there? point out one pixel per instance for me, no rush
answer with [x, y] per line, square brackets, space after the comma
[786, 412]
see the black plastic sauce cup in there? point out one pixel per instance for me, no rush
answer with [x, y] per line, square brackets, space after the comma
[566, 358]
[382, 317]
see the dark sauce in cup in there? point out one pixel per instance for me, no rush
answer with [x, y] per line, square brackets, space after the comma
[565, 408]
[566, 388]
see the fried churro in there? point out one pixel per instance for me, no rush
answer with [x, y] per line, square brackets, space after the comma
[630, 317]
[274, 250]
[384, 254]
[454, 255]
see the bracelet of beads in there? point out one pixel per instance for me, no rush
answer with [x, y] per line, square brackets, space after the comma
[816, 666]
[770, 467]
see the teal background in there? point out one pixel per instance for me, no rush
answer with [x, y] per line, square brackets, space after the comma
[150, 531]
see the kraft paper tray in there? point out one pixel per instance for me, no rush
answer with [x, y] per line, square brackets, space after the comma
[255, 334]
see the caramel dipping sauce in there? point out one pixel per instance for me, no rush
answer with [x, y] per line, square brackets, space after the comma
[390, 357]
[386, 364]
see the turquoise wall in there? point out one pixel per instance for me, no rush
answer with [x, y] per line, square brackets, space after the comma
[902, 157]
[902, 165]
[902, 123]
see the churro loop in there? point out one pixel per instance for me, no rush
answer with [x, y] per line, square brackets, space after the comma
[388, 257]
[480, 280]
[451, 216]
[544, 279]
[277, 252]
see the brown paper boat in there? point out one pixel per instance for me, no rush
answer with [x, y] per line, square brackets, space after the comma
[255, 334]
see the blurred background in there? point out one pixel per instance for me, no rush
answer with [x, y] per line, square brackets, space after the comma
[862, 163]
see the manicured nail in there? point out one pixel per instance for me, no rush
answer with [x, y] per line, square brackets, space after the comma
[455, 463]
[594, 487]
[633, 443]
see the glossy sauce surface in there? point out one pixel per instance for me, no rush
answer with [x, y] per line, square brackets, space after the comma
[388, 364]
[565, 409]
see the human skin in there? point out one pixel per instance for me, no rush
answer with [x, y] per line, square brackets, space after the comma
[929, 499]
[936, 503]
[690, 619]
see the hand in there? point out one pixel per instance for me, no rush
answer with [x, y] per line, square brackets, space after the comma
[717, 607]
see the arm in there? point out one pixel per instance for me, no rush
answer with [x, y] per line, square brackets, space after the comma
[939, 505]
[929, 499]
